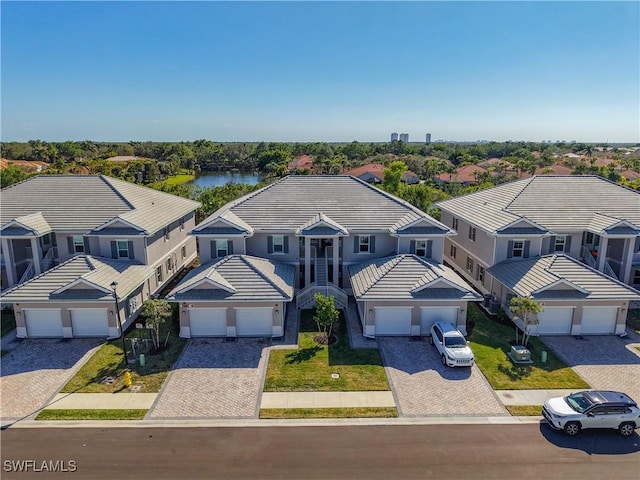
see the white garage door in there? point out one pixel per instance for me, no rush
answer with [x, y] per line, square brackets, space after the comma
[43, 322]
[431, 315]
[598, 320]
[393, 320]
[554, 321]
[89, 322]
[208, 322]
[254, 322]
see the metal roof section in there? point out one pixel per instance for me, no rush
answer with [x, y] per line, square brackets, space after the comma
[66, 281]
[321, 224]
[556, 203]
[559, 276]
[225, 223]
[81, 203]
[249, 279]
[407, 277]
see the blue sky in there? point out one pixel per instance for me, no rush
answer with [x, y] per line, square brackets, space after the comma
[320, 71]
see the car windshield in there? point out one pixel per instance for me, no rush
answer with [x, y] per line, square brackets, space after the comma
[455, 342]
[578, 402]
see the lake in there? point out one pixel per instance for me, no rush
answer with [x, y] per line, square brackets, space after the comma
[217, 179]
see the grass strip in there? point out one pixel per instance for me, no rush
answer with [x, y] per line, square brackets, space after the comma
[77, 414]
[524, 410]
[369, 412]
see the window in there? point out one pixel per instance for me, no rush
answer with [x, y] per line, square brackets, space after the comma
[78, 245]
[636, 276]
[363, 244]
[518, 248]
[421, 248]
[222, 248]
[166, 234]
[183, 252]
[169, 264]
[133, 305]
[472, 234]
[122, 247]
[469, 264]
[561, 241]
[589, 238]
[181, 224]
[480, 274]
[453, 251]
[278, 244]
[454, 223]
[159, 274]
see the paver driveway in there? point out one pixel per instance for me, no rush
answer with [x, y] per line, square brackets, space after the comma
[34, 371]
[424, 387]
[214, 378]
[604, 362]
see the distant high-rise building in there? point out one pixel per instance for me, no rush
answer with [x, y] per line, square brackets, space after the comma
[404, 137]
[428, 138]
[394, 136]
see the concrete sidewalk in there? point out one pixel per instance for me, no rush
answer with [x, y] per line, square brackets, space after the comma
[530, 397]
[327, 399]
[102, 401]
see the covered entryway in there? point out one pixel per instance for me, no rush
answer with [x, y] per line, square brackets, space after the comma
[598, 320]
[43, 322]
[89, 322]
[555, 321]
[254, 322]
[208, 322]
[431, 315]
[393, 320]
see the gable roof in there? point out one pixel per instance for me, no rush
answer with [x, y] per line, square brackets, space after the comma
[553, 202]
[407, 277]
[27, 225]
[227, 223]
[290, 202]
[84, 202]
[559, 276]
[237, 278]
[320, 224]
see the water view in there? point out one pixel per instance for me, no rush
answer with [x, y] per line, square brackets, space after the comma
[217, 179]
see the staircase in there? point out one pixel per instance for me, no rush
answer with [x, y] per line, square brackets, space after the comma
[322, 275]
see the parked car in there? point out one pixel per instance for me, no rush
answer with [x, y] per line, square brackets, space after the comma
[453, 347]
[592, 409]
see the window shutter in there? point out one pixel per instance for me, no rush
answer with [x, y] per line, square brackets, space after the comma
[510, 249]
[87, 250]
[70, 244]
[567, 244]
[525, 254]
[286, 245]
[552, 244]
[429, 248]
[412, 247]
[114, 249]
[214, 249]
[269, 244]
[130, 248]
[230, 247]
[356, 244]
[372, 244]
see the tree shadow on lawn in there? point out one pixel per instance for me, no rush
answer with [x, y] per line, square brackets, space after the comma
[515, 372]
[303, 354]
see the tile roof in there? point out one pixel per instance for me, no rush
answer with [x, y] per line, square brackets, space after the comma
[321, 223]
[33, 224]
[553, 202]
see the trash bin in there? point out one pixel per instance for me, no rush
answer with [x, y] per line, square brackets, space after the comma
[142, 360]
[543, 356]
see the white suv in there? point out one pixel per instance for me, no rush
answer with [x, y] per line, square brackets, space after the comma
[451, 344]
[592, 409]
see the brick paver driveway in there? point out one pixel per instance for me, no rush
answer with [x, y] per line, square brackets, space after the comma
[33, 372]
[214, 378]
[422, 386]
[604, 362]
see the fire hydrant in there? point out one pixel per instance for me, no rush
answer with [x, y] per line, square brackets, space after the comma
[127, 379]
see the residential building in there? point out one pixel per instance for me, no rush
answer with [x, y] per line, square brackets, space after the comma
[374, 173]
[394, 137]
[404, 137]
[428, 138]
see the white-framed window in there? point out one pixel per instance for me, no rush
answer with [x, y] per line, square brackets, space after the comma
[421, 248]
[480, 274]
[122, 248]
[589, 238]
[454, 223]
[469, 264]
[472, 234]
[78, 244]
[183, 252]
[518, 248]
[222, 248]
[363, 244]
[560, 244]
[278, 244]
[159, 274]
[133, 305]
[453, 251]
[169, 264]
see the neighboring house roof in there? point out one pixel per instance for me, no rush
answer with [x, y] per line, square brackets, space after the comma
[83, 277]
[237, 278]
[630, 174]
[29, 165]
[124, 158]
[557, 203]
[407, 277]
[466, 174]
[375, 171]
[83, 203]
[290, 203]
[559, 277]
[302, 162]
[554, 170]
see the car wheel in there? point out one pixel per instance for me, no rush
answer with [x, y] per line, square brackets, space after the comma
[444, 361]
[572, 428]
[431, 339]
[626, 428]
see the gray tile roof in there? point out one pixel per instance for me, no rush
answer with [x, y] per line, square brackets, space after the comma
[555, 202]
[84, 202]
[290, 203]
[33, 223]
[91, 274]
[321, 224]
[407, 277]
[224, 223]
[564, 276]
[237, 278]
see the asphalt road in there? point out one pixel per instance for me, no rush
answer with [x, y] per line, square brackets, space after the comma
[452, 452]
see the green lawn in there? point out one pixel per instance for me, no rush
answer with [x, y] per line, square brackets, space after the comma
[108, 362]
[7, 322]
[525, 410]
[182, 177]
[633, 319]
[309, 368]
[377, 412]
[490, 343]
[91, 414]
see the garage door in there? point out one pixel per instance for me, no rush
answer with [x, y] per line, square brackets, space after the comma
[598, 320]
[431, 315]
[89, 322]
[43, 322]
[254, 322]
[554, 321]
[208, 322]
[393, 320]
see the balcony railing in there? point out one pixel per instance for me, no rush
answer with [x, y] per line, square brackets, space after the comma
[28, 273]
[306, 296]
[590, 260]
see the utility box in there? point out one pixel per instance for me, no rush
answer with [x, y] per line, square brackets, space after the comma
[520, 354]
